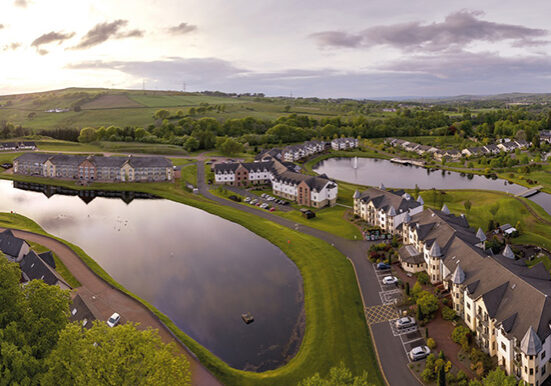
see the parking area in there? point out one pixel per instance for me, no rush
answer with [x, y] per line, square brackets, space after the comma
[390, 293]
[262, 200]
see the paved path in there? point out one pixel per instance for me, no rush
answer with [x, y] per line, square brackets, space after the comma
[391, 352]
[107, 299]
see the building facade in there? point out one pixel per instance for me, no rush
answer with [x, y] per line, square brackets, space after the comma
[386, 209]
[504, 302]
[344, 143]
[94, 168]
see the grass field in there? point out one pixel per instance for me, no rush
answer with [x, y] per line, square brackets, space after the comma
[336, 330]
[189, 174]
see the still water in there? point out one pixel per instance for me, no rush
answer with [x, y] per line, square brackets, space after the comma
[373, 172]
[200, 270]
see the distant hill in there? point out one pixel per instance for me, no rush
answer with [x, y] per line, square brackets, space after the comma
[514, 97]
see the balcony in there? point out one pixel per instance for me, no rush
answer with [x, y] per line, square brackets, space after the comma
[482, 331]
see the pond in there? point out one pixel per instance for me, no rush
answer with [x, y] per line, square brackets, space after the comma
[200, 270]
[373, 172]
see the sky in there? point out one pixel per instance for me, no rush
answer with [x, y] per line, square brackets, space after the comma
[322, 48]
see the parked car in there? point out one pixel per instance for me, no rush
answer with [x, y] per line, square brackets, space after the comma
[272, 209]
[419, 352]
[258, 204]
[247, 199]
[405, 322]
[253, 202]
[383, 266]
[263, 195]
[390, 280]
[264, 206]
[114, 320]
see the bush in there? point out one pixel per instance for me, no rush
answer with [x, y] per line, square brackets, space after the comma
[461, 335]
[431, 343]
[448, 313]
[423, 278]
[428, 303]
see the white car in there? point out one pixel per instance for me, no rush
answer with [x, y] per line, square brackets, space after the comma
[390, 280]
[264, 206]
[405, 322]
[247, 199]
[114, 320]
[419, 352]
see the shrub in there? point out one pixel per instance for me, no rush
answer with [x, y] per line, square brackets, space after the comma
[461, 335]
[448, 313]
[431, 343]
[423, 278]
[428, 303]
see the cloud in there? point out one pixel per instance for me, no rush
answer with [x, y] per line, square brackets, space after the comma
[182, 28]
[456, 31]
[21, 3]
[423, 75]
[105, 31]
[52, 37]
[12, 46]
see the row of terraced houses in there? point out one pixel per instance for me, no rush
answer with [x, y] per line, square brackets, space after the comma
[95, 168]
[286, 182]
[505, 303]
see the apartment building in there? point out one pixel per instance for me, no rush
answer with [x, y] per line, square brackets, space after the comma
[504, 302]
[95, 168]
[344, 143]
[306, 190]
[294, 153]
[386, 209]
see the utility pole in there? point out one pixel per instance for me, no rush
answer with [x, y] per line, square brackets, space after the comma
[184, 86]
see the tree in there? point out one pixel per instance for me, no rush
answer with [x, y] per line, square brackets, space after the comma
[191, 144]
[428, 303]
[230, 147]
[338, 376]
[122, 355]
[460, 335]
[494, 209]
[162, 114]
[442, 376]
[87, 135]
[498, 377]
[467, 204]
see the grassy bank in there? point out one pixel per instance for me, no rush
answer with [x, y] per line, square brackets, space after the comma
[335, 325]
[59, 266]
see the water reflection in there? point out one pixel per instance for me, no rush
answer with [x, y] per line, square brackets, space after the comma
[200, 270]
[373, 171]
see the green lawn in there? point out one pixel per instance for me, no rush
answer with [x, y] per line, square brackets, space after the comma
[336, 330]
[189, 174]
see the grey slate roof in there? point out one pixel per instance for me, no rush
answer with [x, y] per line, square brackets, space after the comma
[149, 162]
[385, 199]
[36, 269]
[33, 158]
[458, 276]
[48, 258]
[481, 235]
[82, 311]
[508, 252]
[408, 254]
[531, 343]
[9, 244]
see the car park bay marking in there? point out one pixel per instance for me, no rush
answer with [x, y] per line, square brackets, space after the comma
[380, 313]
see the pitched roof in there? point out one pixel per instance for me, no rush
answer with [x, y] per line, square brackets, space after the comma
[508, 252]
[531, 343]
[408, 254]
[48, 258]
[9, 244]
[387, 199]
[480, 234]
[458, 276]
[36, 269]
[83, 311]
[149, 162]
[38, 158]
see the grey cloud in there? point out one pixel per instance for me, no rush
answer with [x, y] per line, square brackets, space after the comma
[182, 28]
[456, 31]
[450, 74]
[12, 46]
[52, 37]
[21, 3]
[105, 31]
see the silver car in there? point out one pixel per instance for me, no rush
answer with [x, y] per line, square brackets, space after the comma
[419, 352]
[405, 322]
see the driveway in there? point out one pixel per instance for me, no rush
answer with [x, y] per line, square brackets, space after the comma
[107, 299]
[393, 358]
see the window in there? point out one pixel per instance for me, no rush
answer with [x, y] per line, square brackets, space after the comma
[542, 355]
[503, 347]
[468, 318]
[468, 305]
[74, 311]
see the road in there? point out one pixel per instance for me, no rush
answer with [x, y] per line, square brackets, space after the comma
[108, 299]
[392, 356]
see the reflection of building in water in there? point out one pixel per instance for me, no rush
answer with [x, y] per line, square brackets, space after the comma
[85, 195]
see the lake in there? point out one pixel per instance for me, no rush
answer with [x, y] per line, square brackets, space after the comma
[200, 270]
[374, 171]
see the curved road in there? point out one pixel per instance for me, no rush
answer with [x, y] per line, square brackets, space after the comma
[392, 356]
[108, 299]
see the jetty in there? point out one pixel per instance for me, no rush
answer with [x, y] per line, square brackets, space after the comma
[407, 161]
[530, 191]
